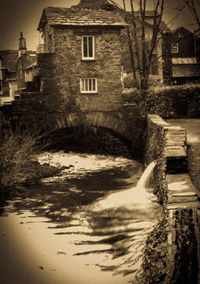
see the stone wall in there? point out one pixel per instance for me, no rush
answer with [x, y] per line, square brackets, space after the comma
[155, 150]
[183, 246]
[179, 244]
[194, 164]
[34, 110]
[61, 71]
[166, 144]
[66, 67]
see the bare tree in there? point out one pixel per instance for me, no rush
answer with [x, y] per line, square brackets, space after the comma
[141, 50]
[194, 7]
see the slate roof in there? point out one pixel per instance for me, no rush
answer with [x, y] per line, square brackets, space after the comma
[10, 58]
[78, 16]
[90, 13]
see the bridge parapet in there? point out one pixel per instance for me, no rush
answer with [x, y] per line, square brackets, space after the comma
[168, 145]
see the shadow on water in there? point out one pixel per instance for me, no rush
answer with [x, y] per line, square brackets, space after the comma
[59, 201]
[115, 236]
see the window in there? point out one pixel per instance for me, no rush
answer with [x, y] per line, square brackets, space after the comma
[174, 48]
[88, 47]
[88, 85]
[50, 43]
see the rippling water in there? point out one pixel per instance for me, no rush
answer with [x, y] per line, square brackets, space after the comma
[89, 224]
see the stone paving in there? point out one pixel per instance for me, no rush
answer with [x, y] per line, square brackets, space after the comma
[192, 127]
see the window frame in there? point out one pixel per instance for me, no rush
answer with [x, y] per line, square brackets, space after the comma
[174, 47]
[88, 49]
[84, 90]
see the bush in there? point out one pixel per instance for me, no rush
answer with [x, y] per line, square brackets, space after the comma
[129, 81]
[17, 165]
[182, 101]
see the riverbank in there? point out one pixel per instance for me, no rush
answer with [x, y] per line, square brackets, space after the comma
[18, 165]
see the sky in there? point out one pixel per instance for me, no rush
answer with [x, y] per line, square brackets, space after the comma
[23, 16]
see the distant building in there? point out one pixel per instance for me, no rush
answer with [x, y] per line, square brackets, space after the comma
[8, 84]
[184, 53]
[17, 70]
[26, 68]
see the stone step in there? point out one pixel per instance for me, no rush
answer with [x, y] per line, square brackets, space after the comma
[182, 199]
[181, 190]
[175, 151]
[175, 138]
[184, 194]
[184, 205]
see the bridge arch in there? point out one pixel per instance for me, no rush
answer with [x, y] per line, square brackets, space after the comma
[96, 119]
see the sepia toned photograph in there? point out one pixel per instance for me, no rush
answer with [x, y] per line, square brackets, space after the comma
[100, 142]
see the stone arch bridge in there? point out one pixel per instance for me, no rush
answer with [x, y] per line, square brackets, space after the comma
[129, 131]
[126, 125]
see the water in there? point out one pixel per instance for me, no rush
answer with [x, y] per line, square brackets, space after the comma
[89, 224]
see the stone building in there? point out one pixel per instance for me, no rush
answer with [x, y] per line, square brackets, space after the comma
[82, 59]
[17, 70]
[90, 42]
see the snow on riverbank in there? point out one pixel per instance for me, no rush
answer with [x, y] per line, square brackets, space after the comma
[79, 164]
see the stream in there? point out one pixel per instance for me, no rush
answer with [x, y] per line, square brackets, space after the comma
[88, 224]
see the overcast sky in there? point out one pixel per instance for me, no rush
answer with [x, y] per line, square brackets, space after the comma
[23, 16]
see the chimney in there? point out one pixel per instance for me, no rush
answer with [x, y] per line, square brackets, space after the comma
[22, 45]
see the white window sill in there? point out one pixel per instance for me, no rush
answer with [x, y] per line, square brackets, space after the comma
[88, 92]
[88, 59]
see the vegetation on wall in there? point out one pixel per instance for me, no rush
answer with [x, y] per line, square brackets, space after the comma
[186, 243]
[154, 266]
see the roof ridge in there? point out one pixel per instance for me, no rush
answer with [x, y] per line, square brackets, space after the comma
[80, 16]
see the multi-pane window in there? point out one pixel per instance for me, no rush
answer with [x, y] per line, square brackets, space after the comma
[174, 47]
[88, 47]
[88, 85]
